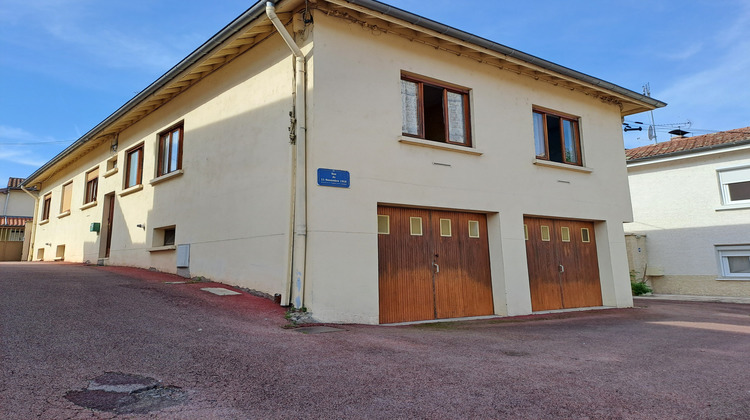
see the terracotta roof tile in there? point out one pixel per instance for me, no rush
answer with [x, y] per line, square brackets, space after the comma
[13, 221]
[14, 182]
[688, 144]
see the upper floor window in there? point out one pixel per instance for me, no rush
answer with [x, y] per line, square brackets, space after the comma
[436, 112]
[735, 185]
[170, 151]
[134, 166]
[67, 193]
[556, 137]
[92, 186]
[46, 205]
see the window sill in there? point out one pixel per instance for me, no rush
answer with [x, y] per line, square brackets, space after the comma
[733, 279]
[733, 207]
[131, 190]
[163, 248]
[166, 177]
[88, 205]
[438, 145]
[63, 214]
[575, 168]
[110, 172]
[43, 222]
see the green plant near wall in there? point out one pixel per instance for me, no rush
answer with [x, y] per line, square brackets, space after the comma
[639, 288]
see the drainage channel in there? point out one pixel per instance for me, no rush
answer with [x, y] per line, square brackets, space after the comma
[123, 393]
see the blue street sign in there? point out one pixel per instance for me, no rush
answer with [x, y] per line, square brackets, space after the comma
[333, 178]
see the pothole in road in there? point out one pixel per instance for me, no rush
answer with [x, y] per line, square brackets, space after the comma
[122, 393]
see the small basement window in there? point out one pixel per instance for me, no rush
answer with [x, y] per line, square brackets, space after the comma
[164, 237]
[734, 261]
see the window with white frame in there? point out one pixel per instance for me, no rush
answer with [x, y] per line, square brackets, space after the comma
[735, 185]
[734, 261]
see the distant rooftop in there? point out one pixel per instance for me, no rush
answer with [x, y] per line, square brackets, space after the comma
[687, 145]
[14, 182]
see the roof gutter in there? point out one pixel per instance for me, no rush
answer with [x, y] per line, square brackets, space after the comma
[228, 31]
[502, 49]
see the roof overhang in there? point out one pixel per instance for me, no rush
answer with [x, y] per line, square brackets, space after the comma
[253, 27]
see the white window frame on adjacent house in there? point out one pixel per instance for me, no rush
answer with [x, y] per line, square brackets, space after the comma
[729, 177]
[723, 253]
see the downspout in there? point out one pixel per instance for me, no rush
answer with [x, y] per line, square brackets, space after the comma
[299, 187]
[32, 234]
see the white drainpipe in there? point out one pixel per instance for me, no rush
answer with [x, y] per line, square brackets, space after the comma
[300, 171]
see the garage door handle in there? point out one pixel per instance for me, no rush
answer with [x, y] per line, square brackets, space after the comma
[437, 267]
[561, 268]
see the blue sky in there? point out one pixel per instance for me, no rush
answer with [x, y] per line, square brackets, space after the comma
[65, 65]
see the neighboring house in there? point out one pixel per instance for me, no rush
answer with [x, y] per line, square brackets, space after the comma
[691, 212]
[17, 210]
[393, 169]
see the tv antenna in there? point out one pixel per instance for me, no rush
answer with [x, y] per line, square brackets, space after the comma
[651, 128]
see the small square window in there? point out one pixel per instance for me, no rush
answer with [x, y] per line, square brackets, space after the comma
[112, 164]
[557, 137]
[473, 229]
[433, 111]
[164, 236]
[735, 185]
[545, 233]
[384, 224]
[415, 226]
[734, 261]
[585, 236]
[565, 233]
[445, 227]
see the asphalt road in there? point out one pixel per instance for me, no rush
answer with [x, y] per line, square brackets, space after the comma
[65, 328]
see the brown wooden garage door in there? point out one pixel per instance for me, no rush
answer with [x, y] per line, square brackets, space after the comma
[563, 266]
[432, 264]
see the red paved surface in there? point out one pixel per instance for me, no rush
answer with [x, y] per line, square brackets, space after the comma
[62, 325]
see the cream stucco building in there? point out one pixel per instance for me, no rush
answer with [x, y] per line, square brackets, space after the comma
[691, 212]
[363, 162]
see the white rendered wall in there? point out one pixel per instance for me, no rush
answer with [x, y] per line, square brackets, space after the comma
[232, 202]
[677, 204]
[356, 124]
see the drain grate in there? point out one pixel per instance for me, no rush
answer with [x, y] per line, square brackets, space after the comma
[123, 393]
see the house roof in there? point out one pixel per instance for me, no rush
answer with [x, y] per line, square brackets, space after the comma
[14, 182]
[253, 26]
[14, 221]
[688, 145]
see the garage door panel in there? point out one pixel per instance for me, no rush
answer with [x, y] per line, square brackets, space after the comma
[544, 279]
[406, 292]
[476, 276]
[581, 285]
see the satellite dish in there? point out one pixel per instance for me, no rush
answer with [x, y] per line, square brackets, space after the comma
[651, 133]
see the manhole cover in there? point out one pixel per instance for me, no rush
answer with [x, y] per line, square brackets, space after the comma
[122, 393]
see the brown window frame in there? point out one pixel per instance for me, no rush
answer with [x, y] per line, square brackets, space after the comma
[545, 113]
[66, 198]
[139, 173]
[166, 144]
[46, 206]
[446, 88]
[92, 186]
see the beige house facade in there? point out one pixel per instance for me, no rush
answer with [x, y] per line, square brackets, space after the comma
[691, 212]
[17, 210]
[362, 162]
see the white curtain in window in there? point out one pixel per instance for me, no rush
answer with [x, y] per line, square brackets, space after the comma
[409, 108]
[539, 135]
[571, 151]
[456, 123]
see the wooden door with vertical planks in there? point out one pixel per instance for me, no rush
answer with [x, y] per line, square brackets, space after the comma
[445, 272]
[563, 264]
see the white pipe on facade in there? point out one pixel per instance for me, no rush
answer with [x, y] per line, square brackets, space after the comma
[32, 234]
[300, 170]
